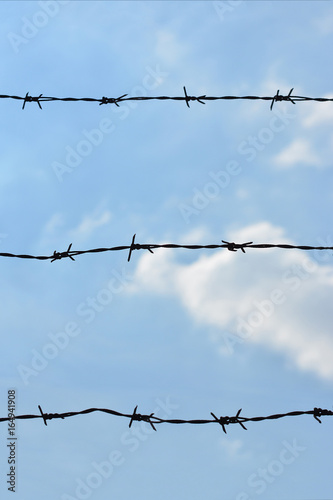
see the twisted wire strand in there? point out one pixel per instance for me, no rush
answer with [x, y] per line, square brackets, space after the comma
[153, 420]
[186, 98]
[231, 246]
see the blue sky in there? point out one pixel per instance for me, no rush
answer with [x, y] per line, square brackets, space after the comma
[180, 333]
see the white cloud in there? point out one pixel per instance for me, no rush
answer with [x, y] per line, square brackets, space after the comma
[242, 193]
[89, 223]
[325, 24]
[299, 151]
[233, 449]
[277, 298]
[196, 236]
[56, 227]
[319, 114]
[169, 50]
[315, 146]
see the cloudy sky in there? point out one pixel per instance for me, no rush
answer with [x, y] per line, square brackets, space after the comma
[179, 333]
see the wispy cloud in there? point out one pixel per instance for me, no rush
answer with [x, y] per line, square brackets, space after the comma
[56, 228]
[325, 24]
[89, 223]
[169, 49]
[298, 152]
[233, 449]
[319, 114]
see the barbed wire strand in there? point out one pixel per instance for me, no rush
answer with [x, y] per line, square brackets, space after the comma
[187, 98]
[231, 246]
[154, 420]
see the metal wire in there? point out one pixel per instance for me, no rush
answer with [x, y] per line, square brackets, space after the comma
[186, 98]
[153, 420]
[231, 246]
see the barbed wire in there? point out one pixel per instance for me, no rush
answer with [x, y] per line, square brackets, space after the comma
[231, 246]
[186, 97]
[153, 420]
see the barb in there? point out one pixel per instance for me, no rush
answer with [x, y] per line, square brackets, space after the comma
[223, 421]
[137, 246]
[144, 418]
[111, 100]
[29, 98]
[152, 419]
[60, 255]
[125, 97]
[279, 97]
[231, 246]
[193, 98]
[43, 416]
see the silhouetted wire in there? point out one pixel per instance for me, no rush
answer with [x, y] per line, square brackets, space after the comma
[154, 420]
[231, 246]
[187, 98]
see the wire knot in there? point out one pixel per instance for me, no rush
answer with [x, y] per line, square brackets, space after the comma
[233, 247]
[112, 100]
[60, 255]
[223, 421]
[49, 416]
[189, 98]
[104, 100]
[141, 418]
[45, 416]
[317, 412]
[137, 246]
[29, 98]
[279, 97]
